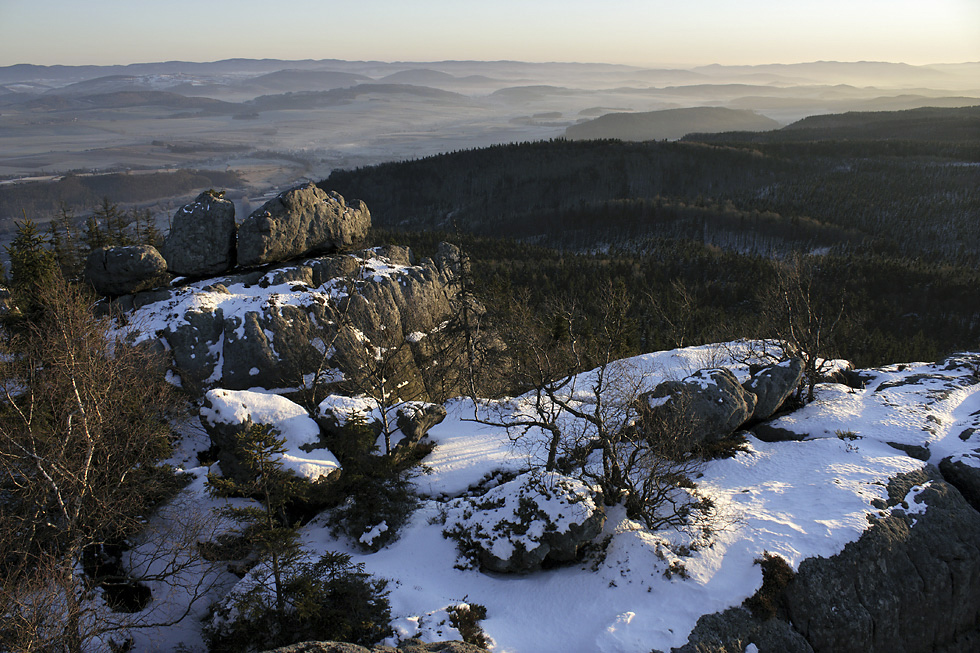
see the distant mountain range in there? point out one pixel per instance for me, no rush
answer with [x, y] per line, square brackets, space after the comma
[669, 124]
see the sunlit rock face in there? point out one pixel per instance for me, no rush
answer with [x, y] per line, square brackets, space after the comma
[124, 270]
[318, 317]
[201, 241]
[299, 222]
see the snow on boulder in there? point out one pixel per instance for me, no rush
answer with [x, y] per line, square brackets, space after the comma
[709, 405]
[409, 421]
[518, 525]
[335, 412]
[227, 413]
[772, 385]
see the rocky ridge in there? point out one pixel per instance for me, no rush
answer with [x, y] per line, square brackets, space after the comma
[908, 583]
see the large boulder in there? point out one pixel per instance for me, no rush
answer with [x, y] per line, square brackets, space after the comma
[963, 472]
[910, 583]
[408, 421]
[201, 241]
[518, 525]
[226, 414]
[415, 418]
[772, 385]
[301, 221]
[706, 406]
[124, 270]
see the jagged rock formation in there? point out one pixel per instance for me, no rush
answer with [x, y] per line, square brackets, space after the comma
[278, 329]
[300, 222]
[910, 583]
[201, 241]
[772, 385]
[124, 270]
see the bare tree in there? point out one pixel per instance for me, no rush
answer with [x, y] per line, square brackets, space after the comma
[806, 315]
[83, 425]
[378, 363]
[590, 418]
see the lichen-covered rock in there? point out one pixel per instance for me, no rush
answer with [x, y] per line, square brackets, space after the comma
[201, 241]
[772, 385]
[910, 583]
[298, 222]
[516, 526]
[124, 270]
[709, 405]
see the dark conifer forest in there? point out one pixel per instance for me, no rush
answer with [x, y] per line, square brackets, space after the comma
[700, 231]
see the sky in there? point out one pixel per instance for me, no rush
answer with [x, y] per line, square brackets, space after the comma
[637, 32]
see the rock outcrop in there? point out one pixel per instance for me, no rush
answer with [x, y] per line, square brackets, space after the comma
[201, 241]
[517, 526]
[124, 270]
[772, 385]
[708, 405]
[276, 329]
[910, 583]
[299, 222]
[733, 630]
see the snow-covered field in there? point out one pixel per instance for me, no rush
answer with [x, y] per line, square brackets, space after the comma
[796, 499]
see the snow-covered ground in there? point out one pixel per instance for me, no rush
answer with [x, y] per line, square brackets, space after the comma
[796, 499]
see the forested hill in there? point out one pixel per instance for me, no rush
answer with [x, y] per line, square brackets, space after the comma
[940, 125]
[904, 198]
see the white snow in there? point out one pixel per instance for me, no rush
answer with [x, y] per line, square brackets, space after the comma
[369, 536]
[648, 589]
[295, 426]
[343, 409]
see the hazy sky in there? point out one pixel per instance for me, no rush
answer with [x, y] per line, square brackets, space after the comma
[644, 32]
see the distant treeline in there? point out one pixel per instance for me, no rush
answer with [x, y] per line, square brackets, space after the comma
[958, 126]
[902, 199]
[685, 293]
[80, 193]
